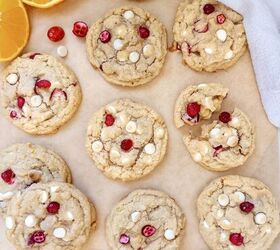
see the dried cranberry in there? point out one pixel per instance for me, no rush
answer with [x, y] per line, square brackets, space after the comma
[148, 230]
[45, 84]
[124, 239]
[236, 239]
[225, 117]
[221, 18]
[143, 32]
[80, 29]
[126, 144]
[36, 237]
[109, 120]
[246, 206]
[208, 8]
[20, 102]
[57, 91]
[105, 36]
[13, 114]
[193, 109]
[34, 55]
[53, 207]
[56, 33]
[8, 176]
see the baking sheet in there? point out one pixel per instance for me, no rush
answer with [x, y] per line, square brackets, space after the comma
[178, 175]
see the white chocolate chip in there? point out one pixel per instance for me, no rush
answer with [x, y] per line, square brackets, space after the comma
[122, 56]
[6, 196]
[59, 232]
[223, 236]
[260, 218]
[215, 132]
[9, 222]
[208, 51]
[131, 127]
[62, 51]
[44, 196]
[12, 79]
[205, 224]
[148, 50]
[111, 109]
[97, 146]
[30, 221]
[202, 86]
[159, 133]
[134, 56]
[229, 55]
[169, 234]
[121, 31]
[135, 216]
[69, 215]
[226, 224]
[150, 149]
[235, 122]
[232, 141]
[221, 34]
[197, 157]
[54, 189]
[125, 160]
[239, 196]
[223, 200]
[118, 44]
[128, 14]
[36, 101]
[114, 153]
[220, 213]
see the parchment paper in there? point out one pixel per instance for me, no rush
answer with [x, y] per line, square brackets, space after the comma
[178, 175]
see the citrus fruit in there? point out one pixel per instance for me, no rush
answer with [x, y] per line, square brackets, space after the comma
[42, 3]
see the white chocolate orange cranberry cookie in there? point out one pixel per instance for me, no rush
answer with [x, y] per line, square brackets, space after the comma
[39, 93]
[126, 139]
[21, 165]
[198, 102]
[223, 144]
[237, 212]
[210, 35]
[53, 216]
[128, 46]
[145, 219]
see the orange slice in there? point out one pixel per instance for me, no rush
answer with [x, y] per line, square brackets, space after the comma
[42, 3]
[14, 29]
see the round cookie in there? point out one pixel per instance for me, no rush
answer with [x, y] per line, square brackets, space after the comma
[223, 144]
[128, 46]
[53, 216]
[39, 93]
[198, 102]
[21, 165]
[210, 35]
[126, 140]
[145, 219]
[237, 212]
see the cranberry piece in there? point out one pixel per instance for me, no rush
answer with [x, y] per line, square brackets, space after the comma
[218, 150]
[126, 144]
[57, 91]
[109, 120]
[201, 26]
[246, 206]
[20, 101]
[105, 36]
[36, 237]
[45, 84]
[221, 18]
[193, 109]
[203, 30]
[80, 29]
[236, 239]
[225, 117]
[124, 239]
[53, 207]
[208, 8]
[148, 230]
[8, 176]
[143, 32]
[56, 33]
[33, 55]
[13, 114]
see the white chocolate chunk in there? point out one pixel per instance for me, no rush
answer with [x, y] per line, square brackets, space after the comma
[223, 200]
[223, 237]
[148, 50]
[202, 86]
[9, 222]
[12, 78]
[197, 157]
[215, 132]
[97, 146]
[118, 44]
[122, 56]
[205, 224]
[239, 196]
[125, 160]
[169, 234]
[159, 133]
[69, 215]
[150, 149]
[135, 216]
[121, 31]
[208, 51]
[54, 189]
[209, 102]
[6, 196]
[36, 101]
[44, 196]
[62, 51]
[134, 56]
[220, 213]
[226, 224]
[131, 127]
[59, 232]
[30, 221]
[128, 14]
[232, 141]
[235, 122]
[260, 218]
[111, 109]
[229, 55]
[114, 153]
[221, 34]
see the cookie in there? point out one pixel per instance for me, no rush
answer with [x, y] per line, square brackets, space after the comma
[223, 144]
[210, 35]
[237, 212]
[126, 139]
[145, 219]
[198, 102]
[53, 216]
[127, 46]
[21, 165]
[39, 93]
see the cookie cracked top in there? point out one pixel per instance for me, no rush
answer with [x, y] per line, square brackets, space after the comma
[210, 35]
[145, 219]
[53, 216]
[39, 93]
[223, 144]
[128, 46]
[238, 213]
[21, 165]
[126, 139]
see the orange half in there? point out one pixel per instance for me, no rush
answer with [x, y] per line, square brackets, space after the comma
[42, 3]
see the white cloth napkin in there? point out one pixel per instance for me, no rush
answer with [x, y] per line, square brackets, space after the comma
[262, 25]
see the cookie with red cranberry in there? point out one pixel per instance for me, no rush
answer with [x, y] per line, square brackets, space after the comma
[198, 102]
[225, 143]
[145, 219]
[50, 216]
[210, 35]
[128, 46]
[21, 165]
[126, 139]
[39, 93]
[238, 212]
